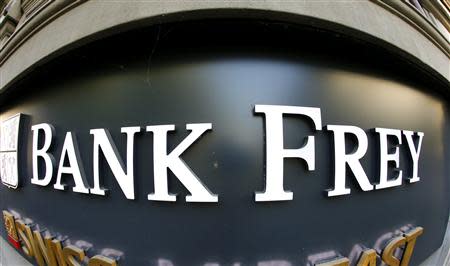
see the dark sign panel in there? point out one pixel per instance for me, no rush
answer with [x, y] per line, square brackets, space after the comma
[225, 143]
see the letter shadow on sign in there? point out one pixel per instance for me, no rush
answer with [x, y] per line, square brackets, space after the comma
[356, 253]
[22, 155]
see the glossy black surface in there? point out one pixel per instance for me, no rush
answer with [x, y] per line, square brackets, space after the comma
[216, 71]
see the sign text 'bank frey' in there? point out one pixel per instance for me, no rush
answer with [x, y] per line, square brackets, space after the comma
[43, 173]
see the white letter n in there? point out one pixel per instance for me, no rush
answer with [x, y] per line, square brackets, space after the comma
[103, 141]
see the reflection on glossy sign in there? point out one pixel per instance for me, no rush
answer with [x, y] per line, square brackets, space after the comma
[48, 249]
[9, 134]
[393, 249]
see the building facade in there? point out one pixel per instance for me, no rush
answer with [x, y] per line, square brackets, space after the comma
[225, 132]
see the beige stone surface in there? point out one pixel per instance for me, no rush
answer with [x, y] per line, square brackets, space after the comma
[94, 16]
[9, 256]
